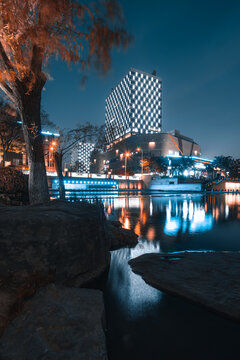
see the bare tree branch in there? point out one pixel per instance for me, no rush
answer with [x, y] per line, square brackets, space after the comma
[6, 60]
[8, 91]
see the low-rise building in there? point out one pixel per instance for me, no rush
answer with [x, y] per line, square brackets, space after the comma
[137, 147]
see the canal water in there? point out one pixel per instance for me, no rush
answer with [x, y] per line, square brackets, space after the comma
[145, 323]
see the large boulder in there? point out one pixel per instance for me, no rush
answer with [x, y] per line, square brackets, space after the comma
[120, 237]
[57, 323]
[59, 242]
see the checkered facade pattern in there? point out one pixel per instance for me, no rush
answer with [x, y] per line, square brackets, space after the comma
[134, 106]
[82, 154]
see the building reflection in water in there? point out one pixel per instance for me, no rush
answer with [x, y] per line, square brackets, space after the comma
[179, 214]
[163, 223]
[187, 217]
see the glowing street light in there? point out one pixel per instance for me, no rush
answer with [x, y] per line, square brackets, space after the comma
[127, 154]
[139, 149]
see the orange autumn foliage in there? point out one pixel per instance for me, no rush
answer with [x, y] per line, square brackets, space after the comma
[31, 31]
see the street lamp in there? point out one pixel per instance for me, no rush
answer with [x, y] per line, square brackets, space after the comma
[127, 154]
[139, 149]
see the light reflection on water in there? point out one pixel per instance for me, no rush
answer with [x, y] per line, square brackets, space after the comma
[144, 323]
[136, 312]
[188, 214]
[133, 292]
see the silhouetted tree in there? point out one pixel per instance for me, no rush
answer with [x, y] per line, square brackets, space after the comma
[11, 138]
[235, 169]
[100, 144]
[159, 164]
[129, 172]
[32, 31]
[67, 140]
[224, 163]
[146, 164]
[180, 164]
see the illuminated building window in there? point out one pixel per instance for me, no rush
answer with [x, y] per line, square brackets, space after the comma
[152, 144]
[81, 155]
[141, 93]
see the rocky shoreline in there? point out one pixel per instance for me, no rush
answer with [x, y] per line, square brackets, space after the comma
[48, 253]
[210, 279]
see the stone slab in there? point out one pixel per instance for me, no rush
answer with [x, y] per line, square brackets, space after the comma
[211, 279]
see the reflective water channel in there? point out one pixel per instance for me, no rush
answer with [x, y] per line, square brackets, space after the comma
[145, 323]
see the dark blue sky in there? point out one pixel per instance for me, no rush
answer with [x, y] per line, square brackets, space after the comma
[195, 48]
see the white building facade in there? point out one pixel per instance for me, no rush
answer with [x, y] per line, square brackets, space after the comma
[134, 106]
[81, 155]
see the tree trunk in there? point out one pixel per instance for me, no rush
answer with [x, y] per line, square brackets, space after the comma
[30, 106]
[58, 163]
[3, 157]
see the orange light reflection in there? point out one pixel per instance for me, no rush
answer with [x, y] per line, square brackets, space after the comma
[151, 234]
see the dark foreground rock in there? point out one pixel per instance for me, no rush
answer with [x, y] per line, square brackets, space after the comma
[61, 242]
[63, 238]
[58, 323]
[119, 237]
[211, 279]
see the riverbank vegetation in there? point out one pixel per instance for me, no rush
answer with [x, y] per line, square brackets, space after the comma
[30, 34]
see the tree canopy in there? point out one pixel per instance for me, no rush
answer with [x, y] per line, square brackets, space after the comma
[228, 165]
[31, 31]
[11, 137]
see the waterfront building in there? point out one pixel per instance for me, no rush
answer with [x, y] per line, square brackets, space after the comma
[134, 106]
[133, 127]
[18, 157]
[142, 146]
[81, 155]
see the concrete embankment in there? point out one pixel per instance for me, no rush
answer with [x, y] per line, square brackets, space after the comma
[211, 279]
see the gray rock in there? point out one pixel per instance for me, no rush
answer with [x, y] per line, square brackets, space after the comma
[63, 237]
[58, 323]
[211, 279]
[60, 241]
[119, 237]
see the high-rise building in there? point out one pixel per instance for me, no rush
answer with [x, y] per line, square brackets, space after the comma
[134, 106]
[81, 155]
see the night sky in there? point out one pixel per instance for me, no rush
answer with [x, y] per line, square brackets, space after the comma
[194, 47]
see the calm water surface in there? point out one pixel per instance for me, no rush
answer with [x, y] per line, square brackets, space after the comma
[145, 323]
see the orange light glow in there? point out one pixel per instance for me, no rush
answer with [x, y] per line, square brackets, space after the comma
[126, 224]
[232, 199]
[232, 186]
[151, 234]
[143, 218]
[137, 229]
